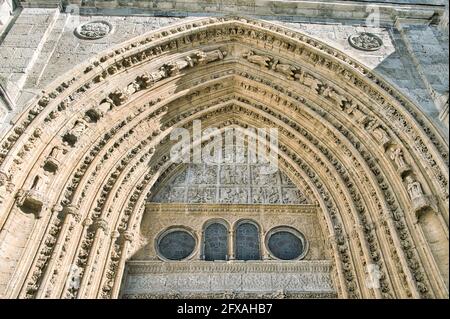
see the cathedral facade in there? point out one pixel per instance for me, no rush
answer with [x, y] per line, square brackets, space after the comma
[224, 149]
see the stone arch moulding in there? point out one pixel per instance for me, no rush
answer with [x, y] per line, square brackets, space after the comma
[98, 139]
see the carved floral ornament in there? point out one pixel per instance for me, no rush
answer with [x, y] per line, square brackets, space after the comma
[365, 41]
[110, 178]
[93, 30]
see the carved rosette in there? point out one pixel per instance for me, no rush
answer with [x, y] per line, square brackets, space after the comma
[365, 41]
[94, 30]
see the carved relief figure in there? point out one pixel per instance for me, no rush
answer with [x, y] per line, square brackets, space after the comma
[399, 159]
[206, 57]
[378, 132]
[260, 60]
[227, 174]
[414, 188]
[418, 198]
[174, 67]
[308, 80]
[286, 69]
[333, 95]
[352, 109]
[77, 130]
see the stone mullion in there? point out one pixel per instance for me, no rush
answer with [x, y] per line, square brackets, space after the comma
[71, 219]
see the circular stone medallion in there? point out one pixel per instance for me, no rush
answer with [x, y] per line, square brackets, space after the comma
[365, 41]
[93, 30]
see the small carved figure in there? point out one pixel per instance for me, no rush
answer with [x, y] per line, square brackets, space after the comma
[352, 109]
[399, 159]
[414, 188]
[378, 132]
[286, 69]
[174, 67]
[207, 57]
[308, 80]
[333, 95]
[77, 130]
[260, 60]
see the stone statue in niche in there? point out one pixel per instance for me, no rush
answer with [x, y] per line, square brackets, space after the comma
[377, 131]
[399, 159]
[77, 131]
[352, 109]
[53, 159]
[419, 200]
[132, 88]
[118, 97]
[32, 200]
[260, 60]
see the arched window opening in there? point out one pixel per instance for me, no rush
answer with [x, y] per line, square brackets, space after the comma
[215, 241]
[247, 242]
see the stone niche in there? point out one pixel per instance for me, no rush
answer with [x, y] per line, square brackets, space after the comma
[148, 274]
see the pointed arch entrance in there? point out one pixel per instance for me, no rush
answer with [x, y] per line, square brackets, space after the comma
[97, 139]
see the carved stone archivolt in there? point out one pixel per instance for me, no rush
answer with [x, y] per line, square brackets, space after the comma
[93, 147]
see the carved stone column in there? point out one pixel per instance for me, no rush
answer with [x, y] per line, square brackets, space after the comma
[100, 227]
[339, 267]
[127, 238]
[231, 244]
[49, 287]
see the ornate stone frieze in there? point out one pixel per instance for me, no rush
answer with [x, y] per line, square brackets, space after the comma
[215, 277]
